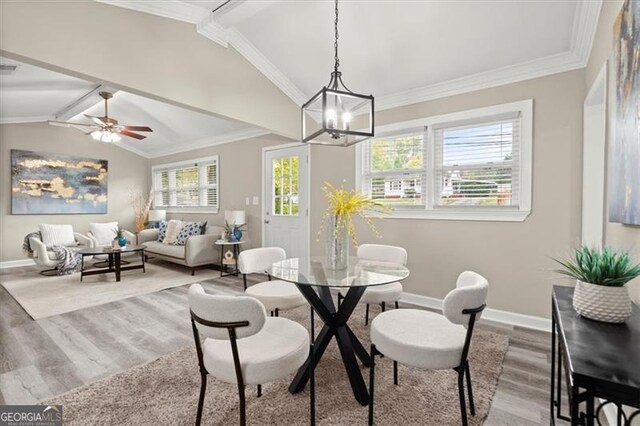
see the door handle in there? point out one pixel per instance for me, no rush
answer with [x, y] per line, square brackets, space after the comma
[266, 221]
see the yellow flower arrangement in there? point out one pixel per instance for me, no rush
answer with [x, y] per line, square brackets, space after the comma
[343, 204]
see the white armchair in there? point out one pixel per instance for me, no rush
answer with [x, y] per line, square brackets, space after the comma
[44, 256]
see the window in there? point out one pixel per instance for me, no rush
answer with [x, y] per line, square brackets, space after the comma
[187, 186]
[472, 165]
[284, 187]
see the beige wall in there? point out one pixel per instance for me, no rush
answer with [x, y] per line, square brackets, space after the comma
[125, 170]
[624, 237]
[514, 256]
[240, 177]
[147, 55]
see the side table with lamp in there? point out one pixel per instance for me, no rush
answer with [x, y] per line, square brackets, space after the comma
[234, 221]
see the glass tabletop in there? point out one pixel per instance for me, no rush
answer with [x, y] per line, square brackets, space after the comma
[359, 272]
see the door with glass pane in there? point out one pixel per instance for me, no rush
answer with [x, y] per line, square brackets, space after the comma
[286, 200]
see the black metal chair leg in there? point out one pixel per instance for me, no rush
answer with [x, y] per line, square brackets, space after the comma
[463, 408]
[366, 315]
[277, 312]
[312, 387]
[259, 391]
[193, 271]
[395, 373]
[203, 389]
[372, 369]
[243, 409]
[397, 305]
[383, 306]
[271, 313]
[313, 329]
[472, 407]
[244, 281]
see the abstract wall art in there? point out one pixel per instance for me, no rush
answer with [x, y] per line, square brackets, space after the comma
[44, 183]
[624, 154]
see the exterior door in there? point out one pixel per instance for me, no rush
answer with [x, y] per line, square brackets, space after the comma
[286, 199]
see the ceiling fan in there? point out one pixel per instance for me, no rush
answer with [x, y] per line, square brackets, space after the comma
[105, 129]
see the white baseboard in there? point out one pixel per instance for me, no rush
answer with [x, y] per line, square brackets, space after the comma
[493, 315]
[16, 263]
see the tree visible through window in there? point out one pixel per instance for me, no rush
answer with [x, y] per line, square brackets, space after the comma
[285, 186]
[193, 184]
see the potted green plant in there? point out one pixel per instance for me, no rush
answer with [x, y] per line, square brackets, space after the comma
[601, 275]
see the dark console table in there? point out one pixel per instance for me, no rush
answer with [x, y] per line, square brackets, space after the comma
[600, 363]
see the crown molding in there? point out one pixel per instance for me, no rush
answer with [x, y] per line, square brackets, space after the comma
[247, 49]
[585, 24]
[498, 77]
[25, 120]
[210, 29]
[207, 142]
[171, 9]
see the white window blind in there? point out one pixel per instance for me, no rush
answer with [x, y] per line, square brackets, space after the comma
[394, 168]
[468, 165]
[184, 185]
[477, 164]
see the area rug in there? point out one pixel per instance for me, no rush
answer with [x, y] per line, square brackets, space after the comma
[43, 296]
[165, 392]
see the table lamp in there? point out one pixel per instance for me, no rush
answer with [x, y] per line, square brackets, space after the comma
[235, 217]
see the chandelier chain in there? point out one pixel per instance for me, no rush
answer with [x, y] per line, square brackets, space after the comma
[335, 44]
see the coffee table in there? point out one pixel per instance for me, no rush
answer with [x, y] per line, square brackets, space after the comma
[115, 261]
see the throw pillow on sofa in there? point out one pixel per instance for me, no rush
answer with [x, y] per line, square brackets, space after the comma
[162, 231]
[104, 233]
[57, 235]
[189, 229]
[173, 229]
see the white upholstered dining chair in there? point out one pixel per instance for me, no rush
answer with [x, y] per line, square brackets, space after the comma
[427, 340]
[243, 346]
[275, 295]
[380, 294]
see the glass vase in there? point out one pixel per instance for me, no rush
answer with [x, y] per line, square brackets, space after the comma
[336, 244]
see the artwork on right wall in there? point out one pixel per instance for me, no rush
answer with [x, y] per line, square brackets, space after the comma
[624, 153]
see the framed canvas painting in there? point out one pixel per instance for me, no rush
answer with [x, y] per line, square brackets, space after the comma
[624, 154]
[44, 183]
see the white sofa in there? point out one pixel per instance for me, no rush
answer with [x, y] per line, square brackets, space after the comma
[199, 250]
[43, 256]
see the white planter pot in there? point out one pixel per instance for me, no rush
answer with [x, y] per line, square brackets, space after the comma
[602, 303]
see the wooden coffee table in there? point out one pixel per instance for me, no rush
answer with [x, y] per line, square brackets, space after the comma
[114, 262]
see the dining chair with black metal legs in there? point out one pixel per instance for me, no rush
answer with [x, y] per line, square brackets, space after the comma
[243, 346]
[427, 340]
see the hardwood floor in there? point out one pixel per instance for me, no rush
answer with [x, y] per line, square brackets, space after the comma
[43, 358]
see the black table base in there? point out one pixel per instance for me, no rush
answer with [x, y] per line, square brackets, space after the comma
[114, 265]
[335, 325]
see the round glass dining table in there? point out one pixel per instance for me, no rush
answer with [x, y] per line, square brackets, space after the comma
[314, 278]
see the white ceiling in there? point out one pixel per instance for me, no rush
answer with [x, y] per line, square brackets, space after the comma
[33, 94]
[401, 51]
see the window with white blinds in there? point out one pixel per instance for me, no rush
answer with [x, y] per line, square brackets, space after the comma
[476, 164]
[395, 170]
[185, 185]
[472, 165]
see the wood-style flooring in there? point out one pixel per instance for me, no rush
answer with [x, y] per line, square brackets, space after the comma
[43, 358]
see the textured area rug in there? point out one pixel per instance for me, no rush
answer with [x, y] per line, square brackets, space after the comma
[43, 296]
[165, 391]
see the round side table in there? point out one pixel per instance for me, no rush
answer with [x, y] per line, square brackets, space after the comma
[235, 250]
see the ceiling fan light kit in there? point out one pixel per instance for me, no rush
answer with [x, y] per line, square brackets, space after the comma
[327, 118]
[105, 129]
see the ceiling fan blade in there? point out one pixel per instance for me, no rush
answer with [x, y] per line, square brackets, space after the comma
[131, 134]
[69, 123]
[138, 128]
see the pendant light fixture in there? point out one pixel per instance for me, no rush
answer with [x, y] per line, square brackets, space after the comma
[336, 115]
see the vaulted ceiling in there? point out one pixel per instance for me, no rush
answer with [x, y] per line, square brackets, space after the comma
[34, 94]
[400, 51]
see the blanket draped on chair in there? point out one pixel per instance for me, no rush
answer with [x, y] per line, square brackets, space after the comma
[69, 260]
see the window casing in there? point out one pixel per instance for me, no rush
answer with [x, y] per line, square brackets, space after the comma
[188, 186]
[471, 165]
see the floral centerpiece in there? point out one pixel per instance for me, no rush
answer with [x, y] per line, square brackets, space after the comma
[601, 275]
[337, 220]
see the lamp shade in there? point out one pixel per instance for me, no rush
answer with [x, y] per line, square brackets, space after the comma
[157, 215]
[235, 217]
